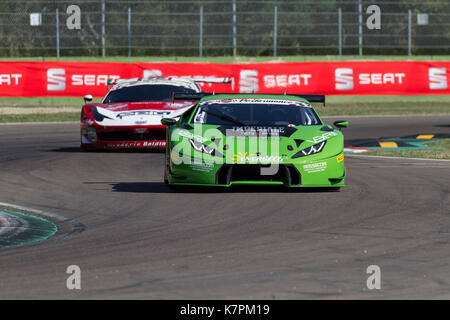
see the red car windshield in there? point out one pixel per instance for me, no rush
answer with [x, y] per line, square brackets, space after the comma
[146, 93]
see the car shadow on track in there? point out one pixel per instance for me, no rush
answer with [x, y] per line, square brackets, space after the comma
[160, 187]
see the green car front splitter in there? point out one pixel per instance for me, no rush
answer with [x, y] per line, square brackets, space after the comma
[18, 229]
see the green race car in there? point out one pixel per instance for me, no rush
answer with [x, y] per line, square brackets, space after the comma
[254, 139]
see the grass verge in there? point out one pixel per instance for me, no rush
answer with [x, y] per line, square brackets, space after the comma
[335, 106]
[442, 151]
[42, 102]
[40, 117]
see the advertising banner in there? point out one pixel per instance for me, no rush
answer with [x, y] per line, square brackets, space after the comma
[76, 79]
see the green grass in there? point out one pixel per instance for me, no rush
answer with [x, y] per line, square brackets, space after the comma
[443, 151]
[229, 59]
[42, 102]
[335, 106]
[42, 117]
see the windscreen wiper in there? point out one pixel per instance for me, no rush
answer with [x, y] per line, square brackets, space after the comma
[225, 117]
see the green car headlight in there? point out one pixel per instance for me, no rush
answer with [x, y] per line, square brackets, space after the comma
[316, 148]
[200, 147]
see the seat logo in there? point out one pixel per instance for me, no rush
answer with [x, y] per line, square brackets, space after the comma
[151, 73]
[56, 79]
[437, 78]
[344, 78]
[248, 81]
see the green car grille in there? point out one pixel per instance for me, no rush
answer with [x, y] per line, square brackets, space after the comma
[286, 173]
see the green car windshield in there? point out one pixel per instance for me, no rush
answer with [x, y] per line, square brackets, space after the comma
[285, 113]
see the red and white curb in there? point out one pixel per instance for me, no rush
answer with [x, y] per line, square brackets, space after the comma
[349, 149]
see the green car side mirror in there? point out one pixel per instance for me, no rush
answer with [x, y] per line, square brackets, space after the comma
[341, 124]
[168, 121]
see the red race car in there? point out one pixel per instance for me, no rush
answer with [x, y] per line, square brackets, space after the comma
[131, 112]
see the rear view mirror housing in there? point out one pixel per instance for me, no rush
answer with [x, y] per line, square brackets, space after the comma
[341, 124]
[87, 98]
[168, 121]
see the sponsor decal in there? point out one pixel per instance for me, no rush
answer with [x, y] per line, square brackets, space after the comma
[252, 131]
[315, 167]
[286, 80]
[154, 144]
[192, 136]
[142, 113]
[124, 145]
[381, 78]
[202, 166]
[344, 78]
[323, 137]
[248, 81]
[137, 144]
[257, 131]
[256, 101]
[92, 79]
[10, 79]
[24, 79]
[56, 79]
[151, 73]
[437, 78]
[120, 106]
[140, 130]
[247, 158]
[340, 158]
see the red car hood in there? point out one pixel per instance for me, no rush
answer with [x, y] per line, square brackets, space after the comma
[137, 113]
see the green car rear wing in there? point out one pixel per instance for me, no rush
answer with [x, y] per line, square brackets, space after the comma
[320, 98]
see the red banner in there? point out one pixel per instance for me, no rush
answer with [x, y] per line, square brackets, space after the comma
[76, 79]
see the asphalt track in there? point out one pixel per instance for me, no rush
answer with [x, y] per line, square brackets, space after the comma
[132, 237]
